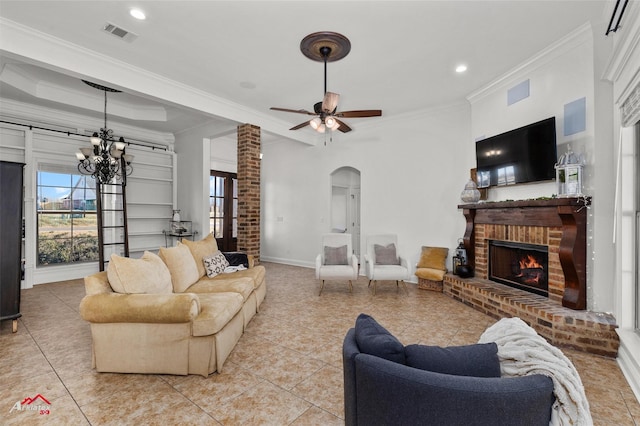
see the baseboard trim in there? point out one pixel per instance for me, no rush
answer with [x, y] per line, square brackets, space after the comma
[312, 265]
[629, 359]
[291, 262]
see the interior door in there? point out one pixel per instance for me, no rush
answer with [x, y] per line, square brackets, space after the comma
[339, 209]
[223, 209]
[345, 204]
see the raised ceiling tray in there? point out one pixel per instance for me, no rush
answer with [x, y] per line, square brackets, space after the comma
[339, 46]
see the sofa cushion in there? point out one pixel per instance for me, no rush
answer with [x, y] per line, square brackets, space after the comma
[479, 360]
[240, 285]
[374, 339]
[433, 257]
[335, 255]
[148, 274]
[184, 271]
[215, 264]
[430, 274]
[201, 248]
[216, 310]
[386, 255]
[257, 274]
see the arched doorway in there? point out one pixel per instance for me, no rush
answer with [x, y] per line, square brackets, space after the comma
[345, 204]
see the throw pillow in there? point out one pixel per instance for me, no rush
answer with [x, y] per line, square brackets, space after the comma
[479, 360]
[433, 257]
[374, 339]
[215, 264]
[184, 271]
[430, 274]
[148, 274]
[386, 255]
[335, 255]
[237, 258]
[199, 249]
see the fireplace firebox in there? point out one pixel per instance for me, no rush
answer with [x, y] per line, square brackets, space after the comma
[520, 265]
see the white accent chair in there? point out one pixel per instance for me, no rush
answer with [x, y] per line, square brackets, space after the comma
[388, 265]
[336, 260]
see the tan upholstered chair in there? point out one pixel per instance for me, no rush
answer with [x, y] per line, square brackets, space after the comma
[382, 261]
[336, 260]
[431, 267]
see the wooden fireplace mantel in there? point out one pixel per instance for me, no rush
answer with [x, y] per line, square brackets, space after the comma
[568, 213]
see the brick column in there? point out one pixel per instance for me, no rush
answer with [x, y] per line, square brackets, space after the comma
[249, 190]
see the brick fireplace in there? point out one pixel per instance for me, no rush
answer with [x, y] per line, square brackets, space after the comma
[519, 265]
[558, 226]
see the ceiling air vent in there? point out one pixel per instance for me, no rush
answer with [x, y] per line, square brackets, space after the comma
[120, 32]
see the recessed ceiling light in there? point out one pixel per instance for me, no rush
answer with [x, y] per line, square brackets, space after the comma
[138, 14]
[461, 68]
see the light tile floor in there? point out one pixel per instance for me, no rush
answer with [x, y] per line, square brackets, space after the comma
[286, 369]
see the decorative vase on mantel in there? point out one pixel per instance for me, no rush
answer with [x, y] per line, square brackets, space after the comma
[471, 194]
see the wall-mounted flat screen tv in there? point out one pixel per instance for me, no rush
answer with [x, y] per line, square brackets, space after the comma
[527, 154]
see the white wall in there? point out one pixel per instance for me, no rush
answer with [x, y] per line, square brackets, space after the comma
[413, 169]
[194, 150]
[562, 73]
[224, 153]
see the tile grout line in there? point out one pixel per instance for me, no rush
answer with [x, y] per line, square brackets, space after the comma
[55, 372]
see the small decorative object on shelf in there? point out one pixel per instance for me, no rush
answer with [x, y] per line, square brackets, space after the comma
[569, 174]
[176, 216]
[464, 271]
[459, 261]
[456, 262]
[181, 228]
[470, 193]
[178, 229]
[461, 251]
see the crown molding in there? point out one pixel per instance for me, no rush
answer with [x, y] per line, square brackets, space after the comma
[50, 52]
[581, 35]
[627, 42]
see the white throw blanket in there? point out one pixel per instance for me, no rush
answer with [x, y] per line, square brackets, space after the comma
[230, 269]
[523, 352]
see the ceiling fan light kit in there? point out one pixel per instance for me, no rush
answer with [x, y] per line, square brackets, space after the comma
[327, 46]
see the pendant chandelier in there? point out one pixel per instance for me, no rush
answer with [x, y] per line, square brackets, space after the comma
[105, 159]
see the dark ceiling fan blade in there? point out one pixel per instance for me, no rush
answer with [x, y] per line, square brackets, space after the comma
[300, 126]
[344, 128]
[330, 102]
[297, 111]
[360, 114]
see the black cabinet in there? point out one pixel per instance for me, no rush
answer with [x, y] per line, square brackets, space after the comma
[11, 194]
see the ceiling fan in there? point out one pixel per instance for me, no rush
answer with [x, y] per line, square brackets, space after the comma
[326, 47]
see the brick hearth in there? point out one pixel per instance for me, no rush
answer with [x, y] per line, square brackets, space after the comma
[582, 330]
[559, 224]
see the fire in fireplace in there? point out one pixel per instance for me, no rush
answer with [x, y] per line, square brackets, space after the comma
[519, 265]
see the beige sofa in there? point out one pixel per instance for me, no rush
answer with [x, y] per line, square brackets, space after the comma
[164, 315]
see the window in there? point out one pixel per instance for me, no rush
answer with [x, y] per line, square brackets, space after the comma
[66, 217]
[223, 209]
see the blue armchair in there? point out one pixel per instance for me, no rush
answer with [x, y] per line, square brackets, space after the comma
[388, 392]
